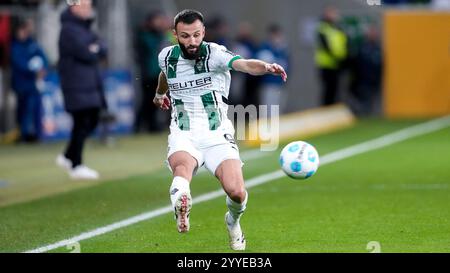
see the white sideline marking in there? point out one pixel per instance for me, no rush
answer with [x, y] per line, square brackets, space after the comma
[364, 147]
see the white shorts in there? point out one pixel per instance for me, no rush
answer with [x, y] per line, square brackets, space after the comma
[209, 148]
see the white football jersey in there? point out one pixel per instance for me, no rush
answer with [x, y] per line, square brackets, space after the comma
[199, 88]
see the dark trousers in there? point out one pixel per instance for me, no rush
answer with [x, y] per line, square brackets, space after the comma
[365, 96]
[84, 123]
[29, 110]
[330, 86]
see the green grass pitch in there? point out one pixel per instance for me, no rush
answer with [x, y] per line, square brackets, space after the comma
[398, 196]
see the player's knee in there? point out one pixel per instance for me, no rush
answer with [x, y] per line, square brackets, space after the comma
[183, 171]
[238, 195]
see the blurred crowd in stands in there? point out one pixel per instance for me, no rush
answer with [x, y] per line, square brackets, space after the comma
[336, 55]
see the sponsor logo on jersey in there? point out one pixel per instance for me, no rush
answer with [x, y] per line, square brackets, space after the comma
[200, 64]
[178, 86]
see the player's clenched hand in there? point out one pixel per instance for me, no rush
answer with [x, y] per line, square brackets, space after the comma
[162, 102]
[277, 69]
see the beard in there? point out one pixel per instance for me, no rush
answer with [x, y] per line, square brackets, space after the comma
[187, 54]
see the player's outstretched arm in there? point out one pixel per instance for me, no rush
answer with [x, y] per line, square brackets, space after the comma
[161, 100]
[257, 68]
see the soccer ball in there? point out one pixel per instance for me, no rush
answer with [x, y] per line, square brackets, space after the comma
[299, 160]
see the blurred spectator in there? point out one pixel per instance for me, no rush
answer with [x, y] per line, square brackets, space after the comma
[244, 87]
[151, 39]
[274, 50]
[28, 69]
[80, 51]
[218, 31]
[330, 54]
[368, 72]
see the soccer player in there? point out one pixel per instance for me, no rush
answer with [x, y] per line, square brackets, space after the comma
[197, 75]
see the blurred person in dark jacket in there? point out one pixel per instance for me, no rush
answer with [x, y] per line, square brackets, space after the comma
[369, 64]
[80, 51]
[152, 37]
[29, 64]
[245, 86]
[218, 31]
[274, 50]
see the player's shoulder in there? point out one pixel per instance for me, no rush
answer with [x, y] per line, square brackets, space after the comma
[221, 51]
[216, 47]
[165, 52]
